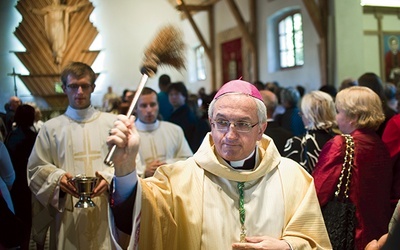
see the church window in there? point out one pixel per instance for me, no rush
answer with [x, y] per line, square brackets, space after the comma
[291, 48]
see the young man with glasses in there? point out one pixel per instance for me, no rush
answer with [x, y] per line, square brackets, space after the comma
[236, 192]
[69, 145]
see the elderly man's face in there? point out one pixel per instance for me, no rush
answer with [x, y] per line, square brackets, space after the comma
[14, 102]
[231, 144]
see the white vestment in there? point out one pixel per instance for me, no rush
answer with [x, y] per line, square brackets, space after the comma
[194, 204]
[74, 142]
[162, 141]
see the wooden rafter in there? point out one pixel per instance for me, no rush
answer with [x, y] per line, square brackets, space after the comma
[189, 7]
[318, 13]
[209, 49]
[242, 25]
[196, 29]
[211, 28]
[315, 15]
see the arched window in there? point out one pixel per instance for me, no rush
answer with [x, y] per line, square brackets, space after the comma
[291, 49]
[200, 63]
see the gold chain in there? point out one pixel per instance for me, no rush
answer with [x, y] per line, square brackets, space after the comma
[348, 162]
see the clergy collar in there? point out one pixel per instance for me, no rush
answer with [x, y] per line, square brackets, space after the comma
[267, 158]
[141, 126]
[80, 114]
[242, 163]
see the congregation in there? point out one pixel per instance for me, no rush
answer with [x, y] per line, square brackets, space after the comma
[239, 151]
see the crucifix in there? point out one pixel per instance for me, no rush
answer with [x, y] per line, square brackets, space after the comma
[56, 21]
[14, 75]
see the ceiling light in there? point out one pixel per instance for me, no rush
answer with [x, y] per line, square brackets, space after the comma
[385, 3]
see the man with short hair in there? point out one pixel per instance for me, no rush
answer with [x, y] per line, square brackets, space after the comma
[236, 192]
[161, 141]
[67, 146]
[165, 106]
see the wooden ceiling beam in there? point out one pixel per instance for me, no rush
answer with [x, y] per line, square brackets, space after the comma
[254, 27]
[249, 33]
[211, 27]
[196, 30]
[318, 12]
[242, 25]
[194, 7]
[208, 49]
[315, 14]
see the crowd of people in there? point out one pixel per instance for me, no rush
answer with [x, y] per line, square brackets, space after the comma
[250, 166]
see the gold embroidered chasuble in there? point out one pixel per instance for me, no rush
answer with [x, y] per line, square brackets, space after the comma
[193, 204]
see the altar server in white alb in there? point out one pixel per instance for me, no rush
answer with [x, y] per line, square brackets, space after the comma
[161, 142]
[236, 192]
[73, 144]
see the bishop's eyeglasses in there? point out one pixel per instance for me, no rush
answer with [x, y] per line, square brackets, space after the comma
[224, 125]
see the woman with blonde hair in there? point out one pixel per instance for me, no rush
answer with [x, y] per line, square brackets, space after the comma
[318, 115]
[359, 114]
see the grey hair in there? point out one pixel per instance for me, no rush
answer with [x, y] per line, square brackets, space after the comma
[319, 110]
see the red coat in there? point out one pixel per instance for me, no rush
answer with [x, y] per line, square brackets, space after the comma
[370, 183]
[391, 137]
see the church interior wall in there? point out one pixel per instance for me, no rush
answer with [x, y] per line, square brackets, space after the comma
[126, 27]
[307, 75]
[348, 44]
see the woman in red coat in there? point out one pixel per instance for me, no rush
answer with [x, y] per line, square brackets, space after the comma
[391, 137]
[359, 113]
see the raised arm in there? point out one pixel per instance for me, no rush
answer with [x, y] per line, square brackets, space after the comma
[125, 136]
[77, 7]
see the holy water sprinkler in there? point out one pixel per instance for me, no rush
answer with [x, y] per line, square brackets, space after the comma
[166, 49]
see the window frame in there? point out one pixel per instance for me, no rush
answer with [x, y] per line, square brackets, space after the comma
[200, 63]
[295, 49]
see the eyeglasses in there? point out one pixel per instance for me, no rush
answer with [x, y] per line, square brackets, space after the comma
[224, 125]
[75, 87]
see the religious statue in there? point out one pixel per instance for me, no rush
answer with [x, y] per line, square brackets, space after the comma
[56, 20]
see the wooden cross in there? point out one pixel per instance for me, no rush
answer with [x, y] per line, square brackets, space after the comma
[13, 74]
